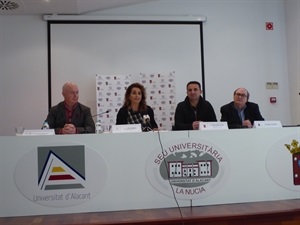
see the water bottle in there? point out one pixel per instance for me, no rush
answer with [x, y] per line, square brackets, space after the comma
[45, 126]
[98, 127]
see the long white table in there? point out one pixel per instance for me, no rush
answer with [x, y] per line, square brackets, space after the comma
[59, 174]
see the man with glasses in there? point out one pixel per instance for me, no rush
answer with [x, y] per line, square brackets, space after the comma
[240, 113]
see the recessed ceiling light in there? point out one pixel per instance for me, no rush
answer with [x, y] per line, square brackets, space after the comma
[8, 5]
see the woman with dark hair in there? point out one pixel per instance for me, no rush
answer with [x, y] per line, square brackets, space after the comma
[135, 109]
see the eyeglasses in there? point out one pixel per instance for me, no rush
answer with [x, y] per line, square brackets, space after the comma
[241, 95]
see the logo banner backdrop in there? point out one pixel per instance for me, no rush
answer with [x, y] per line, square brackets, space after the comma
[160, 89]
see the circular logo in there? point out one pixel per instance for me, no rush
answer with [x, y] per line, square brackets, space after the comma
[189, 168]
[283, 166]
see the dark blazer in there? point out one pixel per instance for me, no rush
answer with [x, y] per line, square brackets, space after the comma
[185, 114]
[230, 114]
[81, 118]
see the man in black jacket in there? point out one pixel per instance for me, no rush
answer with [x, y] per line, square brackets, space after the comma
[193, 109]
[240, 113]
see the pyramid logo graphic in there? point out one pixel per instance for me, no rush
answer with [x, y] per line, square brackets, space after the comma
[61, 167]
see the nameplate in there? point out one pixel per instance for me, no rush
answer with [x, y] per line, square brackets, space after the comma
[38, 132]
[267, 124]
[126, 128]
[213, 126]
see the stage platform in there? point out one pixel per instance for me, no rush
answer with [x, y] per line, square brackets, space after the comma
[283, 212]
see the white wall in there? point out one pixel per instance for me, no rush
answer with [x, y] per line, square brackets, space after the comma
[292, 9]
[238, 49]
[238, 52]
[23, 72]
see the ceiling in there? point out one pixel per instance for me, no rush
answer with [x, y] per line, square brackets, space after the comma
[61, 7]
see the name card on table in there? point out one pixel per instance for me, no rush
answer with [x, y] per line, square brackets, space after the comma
[38, 132]
[126, 128]
[213, 126]
[267, 124]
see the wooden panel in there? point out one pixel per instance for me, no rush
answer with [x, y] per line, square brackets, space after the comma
[285, 212]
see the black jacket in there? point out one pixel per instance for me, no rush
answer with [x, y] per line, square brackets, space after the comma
[122, 116]
[81, 118]
[229, 113]
[185, 114]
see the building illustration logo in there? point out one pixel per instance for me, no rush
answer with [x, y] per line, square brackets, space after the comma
[190, 168]
[57, 175]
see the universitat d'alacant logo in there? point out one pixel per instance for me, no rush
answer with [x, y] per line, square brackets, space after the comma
[56, 176]
[193, 168]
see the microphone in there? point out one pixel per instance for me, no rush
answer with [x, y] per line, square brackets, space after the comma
[146, 120]
[45, 125]
[99, 114]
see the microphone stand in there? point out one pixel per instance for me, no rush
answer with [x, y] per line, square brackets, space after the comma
[107, 111]
[146, 129]
[98, 126]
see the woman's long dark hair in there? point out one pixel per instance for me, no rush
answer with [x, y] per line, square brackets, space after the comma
[143, 104]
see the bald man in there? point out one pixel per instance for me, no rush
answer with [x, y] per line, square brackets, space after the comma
[70, 116]
[240, 113]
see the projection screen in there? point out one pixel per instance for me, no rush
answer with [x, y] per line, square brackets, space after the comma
[78, 50]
